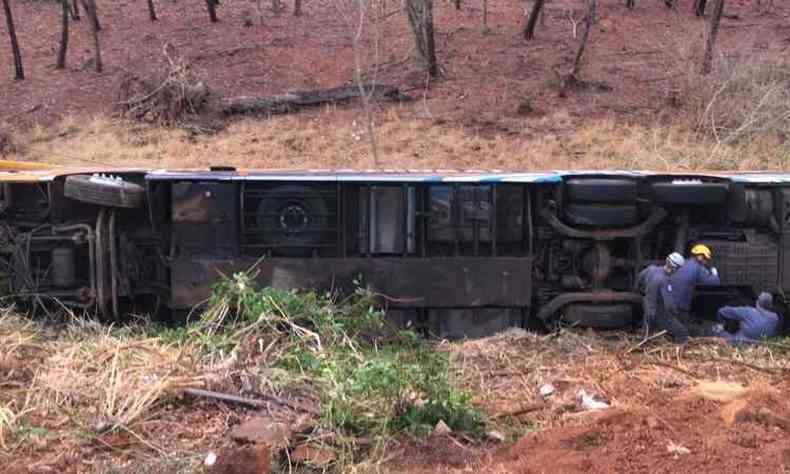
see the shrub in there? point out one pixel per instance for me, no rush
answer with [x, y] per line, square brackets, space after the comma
[368, 385]
[743, 99]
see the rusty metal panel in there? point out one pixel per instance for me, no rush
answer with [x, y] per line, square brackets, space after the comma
[408, 282]
[753, 263]
[204, 218]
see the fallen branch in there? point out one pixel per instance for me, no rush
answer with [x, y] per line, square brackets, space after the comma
[196, 392]
[748, 365]
[674, 367]
[522, 410]
[292, 101]
[645, 341]
[506, 373]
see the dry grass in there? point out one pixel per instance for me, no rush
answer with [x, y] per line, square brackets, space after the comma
[335, 138]
[119, 377]
[84, 381]
[505, 372]
[87, 384]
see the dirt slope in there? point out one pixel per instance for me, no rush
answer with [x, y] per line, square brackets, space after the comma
[699, 413]
[639, 58]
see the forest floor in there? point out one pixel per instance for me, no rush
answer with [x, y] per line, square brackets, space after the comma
[497, 104]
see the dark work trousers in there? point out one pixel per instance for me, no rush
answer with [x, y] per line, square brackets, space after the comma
[664, 321]
[694, 330]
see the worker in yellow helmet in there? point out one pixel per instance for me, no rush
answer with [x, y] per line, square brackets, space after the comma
[697, 270]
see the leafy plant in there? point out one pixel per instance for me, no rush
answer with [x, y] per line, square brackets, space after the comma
[369, 385]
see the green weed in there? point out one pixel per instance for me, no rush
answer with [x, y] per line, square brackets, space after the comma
[369, 385]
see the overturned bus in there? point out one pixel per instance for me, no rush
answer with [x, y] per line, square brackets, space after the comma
[457, 253]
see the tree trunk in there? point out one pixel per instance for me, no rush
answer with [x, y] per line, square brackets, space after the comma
[457, 4]
[532, 20]
[297, 7]
[64, 35]
[699, 7]
[151, 10]
[75, 10]
[295, 100]
[87, 6]
[212, 10]
[485, 16]
[669, 3]
[630, 4]
[91, 12]
[589, 19]
[420, 14]
[715, 20]
[9, 20]
[433, 65]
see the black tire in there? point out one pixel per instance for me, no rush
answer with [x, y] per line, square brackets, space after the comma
[605, 316]
[104, 191]
[692, 193]
[599, 190]
[599, 215]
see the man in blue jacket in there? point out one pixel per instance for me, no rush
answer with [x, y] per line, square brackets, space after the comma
[694, 272]
[658, 302]
[754, 323]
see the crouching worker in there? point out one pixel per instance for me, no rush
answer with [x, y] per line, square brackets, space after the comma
[754, 323]
[659, 302]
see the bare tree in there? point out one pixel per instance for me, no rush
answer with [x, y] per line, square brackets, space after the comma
[420, 14]
[715, 20]
[769, 5]
[297, 7]
[457, 4]
[212, 10]
[9, 21]
[485, 16]
[699, 7]
[90, 10]
[532, 20]
[87, 5]
[589, 19]
[363, 26]
[75, 10]
[64, 36]
[366, 95]
[151, 10]
[630, 4]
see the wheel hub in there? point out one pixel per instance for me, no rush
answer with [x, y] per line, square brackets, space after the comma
[293, 219]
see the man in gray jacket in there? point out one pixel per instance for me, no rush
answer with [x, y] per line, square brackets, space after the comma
[755, 323]
[659, 305]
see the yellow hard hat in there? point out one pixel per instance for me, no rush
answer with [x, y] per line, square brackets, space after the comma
[703, 250]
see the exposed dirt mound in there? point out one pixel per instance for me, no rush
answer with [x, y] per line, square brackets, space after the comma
[716, 409]
[685, 434]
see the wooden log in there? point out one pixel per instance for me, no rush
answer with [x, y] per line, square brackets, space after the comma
[292, 101]
[224, 397]
[522, 410]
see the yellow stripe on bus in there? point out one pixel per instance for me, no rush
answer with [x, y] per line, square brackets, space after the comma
[8, 165]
